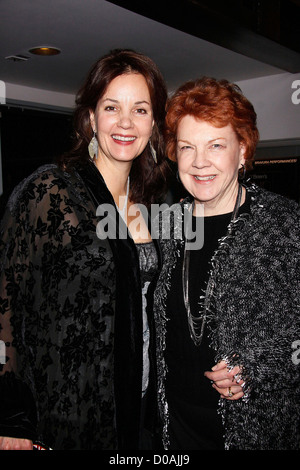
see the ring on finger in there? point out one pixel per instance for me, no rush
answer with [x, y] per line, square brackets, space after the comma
[230, 393]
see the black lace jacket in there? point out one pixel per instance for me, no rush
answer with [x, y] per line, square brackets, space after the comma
[70, 317]
[252, 305]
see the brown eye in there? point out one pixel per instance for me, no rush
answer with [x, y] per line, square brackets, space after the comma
[109, 108]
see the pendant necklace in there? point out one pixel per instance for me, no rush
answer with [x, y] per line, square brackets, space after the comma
[196, 324]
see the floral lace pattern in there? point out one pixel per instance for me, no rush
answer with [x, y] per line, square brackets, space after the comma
[57, 300]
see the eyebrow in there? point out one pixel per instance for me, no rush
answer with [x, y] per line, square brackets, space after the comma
[116, 101]
[211, 140]
[183, 140]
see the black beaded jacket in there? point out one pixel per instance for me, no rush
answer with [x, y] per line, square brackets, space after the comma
[253, 319]
[70, 317]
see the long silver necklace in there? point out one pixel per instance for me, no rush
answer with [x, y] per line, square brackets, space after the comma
[197, 324]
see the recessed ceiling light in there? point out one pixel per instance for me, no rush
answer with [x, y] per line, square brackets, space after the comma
[44, 50]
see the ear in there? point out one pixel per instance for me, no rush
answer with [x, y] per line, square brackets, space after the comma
[152, 127]
[92, 120]
[242, 153]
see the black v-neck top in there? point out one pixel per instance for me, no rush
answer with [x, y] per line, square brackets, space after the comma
[194, 422]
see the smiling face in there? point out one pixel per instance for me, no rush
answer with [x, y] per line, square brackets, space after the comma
[123, 119]
[208, 162]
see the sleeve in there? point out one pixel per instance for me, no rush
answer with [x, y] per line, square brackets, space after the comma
[272, 362]
[272, 365]
[17, 405]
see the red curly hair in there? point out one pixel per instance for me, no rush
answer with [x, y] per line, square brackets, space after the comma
[218, 102]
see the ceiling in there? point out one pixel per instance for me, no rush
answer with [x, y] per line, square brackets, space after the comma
[186, 39]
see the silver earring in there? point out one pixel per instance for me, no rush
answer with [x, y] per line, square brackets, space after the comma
[93, 147]
[153, 152]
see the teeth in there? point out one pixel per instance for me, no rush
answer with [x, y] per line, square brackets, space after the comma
[204, 178]
[122, 138]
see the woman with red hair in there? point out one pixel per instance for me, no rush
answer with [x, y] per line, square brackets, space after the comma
[227, 300]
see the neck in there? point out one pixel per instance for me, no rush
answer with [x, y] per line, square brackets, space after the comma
[115, 177]
[219, 207]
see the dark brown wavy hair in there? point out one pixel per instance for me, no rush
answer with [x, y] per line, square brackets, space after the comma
[218, 102]
[148, 180]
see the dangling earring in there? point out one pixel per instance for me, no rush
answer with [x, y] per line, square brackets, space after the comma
[93, 147]
[153, 152]
[243, 173]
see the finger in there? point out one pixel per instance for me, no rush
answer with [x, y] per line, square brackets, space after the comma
[217, 374]
[213, 373]
[230, 393]
[11, 443]
[26, 444]
[225, 386]
[219, 365]
[228, 382]
[222, 374]
[234, 396]
[5, 443]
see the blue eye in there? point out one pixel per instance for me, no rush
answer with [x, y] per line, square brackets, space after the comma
[217, 147]
[185, 147]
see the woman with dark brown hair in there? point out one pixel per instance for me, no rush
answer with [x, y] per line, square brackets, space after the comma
[226, 303]
[75, 271]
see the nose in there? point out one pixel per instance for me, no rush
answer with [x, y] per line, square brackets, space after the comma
[200, 158]
[125, 120]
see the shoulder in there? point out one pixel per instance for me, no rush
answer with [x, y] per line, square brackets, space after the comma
[274, 203]
[46, 173]
[46, 180]
[274, 212]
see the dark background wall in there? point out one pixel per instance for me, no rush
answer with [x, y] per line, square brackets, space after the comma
[30, 139]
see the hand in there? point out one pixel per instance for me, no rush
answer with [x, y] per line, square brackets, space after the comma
[12, 443]
[224, 381]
